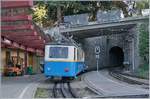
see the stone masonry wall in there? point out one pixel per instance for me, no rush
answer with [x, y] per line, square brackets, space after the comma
[123, 41]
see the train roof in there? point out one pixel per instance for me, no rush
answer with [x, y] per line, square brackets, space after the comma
[63, 43]
[56, 43]
[66, 44]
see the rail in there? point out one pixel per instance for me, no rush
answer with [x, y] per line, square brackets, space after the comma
[101, 92]
[65, 90]
[128, 78]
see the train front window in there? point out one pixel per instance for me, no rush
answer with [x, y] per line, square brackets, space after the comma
[58, 52]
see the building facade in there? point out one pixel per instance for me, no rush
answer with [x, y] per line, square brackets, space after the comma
[22, 41]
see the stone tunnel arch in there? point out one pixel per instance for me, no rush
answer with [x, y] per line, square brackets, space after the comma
[116, 56]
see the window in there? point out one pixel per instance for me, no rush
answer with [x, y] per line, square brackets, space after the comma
[58, 52]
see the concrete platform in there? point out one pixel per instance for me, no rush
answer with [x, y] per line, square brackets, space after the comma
[20, 86]
[108, 87]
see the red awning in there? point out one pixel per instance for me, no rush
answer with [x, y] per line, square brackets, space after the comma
[25, 35]
[16, 18]
[16, 3]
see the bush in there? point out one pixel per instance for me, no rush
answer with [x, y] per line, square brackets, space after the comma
[144, 42]
[143, 71]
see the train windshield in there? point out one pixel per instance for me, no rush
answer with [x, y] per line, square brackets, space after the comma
[58, 52]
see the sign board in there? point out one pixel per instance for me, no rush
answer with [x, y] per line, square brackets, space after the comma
[97, 50]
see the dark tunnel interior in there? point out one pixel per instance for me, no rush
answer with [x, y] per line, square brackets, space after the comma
[116, 56]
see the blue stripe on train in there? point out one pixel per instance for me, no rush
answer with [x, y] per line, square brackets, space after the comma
[58, 68]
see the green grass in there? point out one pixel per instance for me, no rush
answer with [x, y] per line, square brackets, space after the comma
[42, 93]
[143, 71]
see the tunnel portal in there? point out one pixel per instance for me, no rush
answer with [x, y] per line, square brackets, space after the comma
[116, 56]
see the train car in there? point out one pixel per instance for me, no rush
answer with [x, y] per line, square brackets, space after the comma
[63, 60]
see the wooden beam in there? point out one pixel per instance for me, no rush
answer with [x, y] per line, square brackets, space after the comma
[39, 51]
[29, 41]
[12, 44]
[37, 47]
[16, 44]
[16, 18]
[17, 3]
[34, 43]
[18, 27]
[31, 49]
[23, 39]
[8, 42]
[33, 33]
[40, 44]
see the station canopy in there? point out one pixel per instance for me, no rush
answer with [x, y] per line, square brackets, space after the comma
[17, 28]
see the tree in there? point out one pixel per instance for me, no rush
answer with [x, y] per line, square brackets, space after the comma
[135, 7]
[123, 6]
[55, 10]
[143, 4]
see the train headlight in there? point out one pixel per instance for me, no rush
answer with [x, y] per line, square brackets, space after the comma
[66, 69]
[48, 69]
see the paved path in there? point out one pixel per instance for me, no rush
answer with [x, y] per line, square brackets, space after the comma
[21, 86]
[109, 87]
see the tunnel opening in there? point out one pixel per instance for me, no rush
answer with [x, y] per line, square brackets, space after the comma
[116, 56]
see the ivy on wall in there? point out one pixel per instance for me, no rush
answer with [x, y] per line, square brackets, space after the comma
[144, 42]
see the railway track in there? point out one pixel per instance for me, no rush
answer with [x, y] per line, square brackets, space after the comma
[102, 93]
[127, 78]
[92, 87]
[63, 90]
[125, 96]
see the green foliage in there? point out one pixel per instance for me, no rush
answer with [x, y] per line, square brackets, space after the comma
[48, 10]
[144, 42]
[143, 71]
[143, 4]
[40, 14]
[42, 93]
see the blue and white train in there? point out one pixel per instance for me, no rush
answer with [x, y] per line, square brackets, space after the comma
[63, 60]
